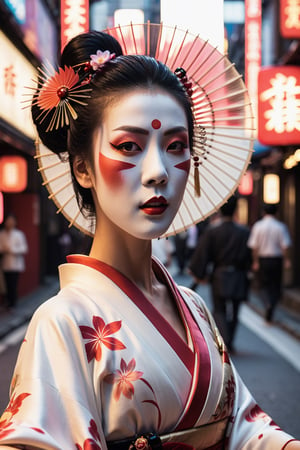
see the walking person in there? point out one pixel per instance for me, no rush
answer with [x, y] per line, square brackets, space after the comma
[270, 243]
[223, 250]
[13, 247]
[122, 357]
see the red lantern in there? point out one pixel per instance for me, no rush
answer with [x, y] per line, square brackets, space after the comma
[1, 208]
[246, 184]
[13, 173]
[289, 19]
[279, 105]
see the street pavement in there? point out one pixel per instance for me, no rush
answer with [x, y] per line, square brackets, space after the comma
[267, 355]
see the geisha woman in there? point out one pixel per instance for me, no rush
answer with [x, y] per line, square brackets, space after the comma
[122, 357]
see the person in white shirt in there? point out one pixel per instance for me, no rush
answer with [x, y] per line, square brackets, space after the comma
[13, 247]
[270, 243]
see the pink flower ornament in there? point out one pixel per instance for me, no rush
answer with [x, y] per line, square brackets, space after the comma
[98, 60]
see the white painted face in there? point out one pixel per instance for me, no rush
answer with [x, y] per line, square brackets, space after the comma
[142, 161]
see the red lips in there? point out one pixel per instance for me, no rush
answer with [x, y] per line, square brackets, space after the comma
[155, 206]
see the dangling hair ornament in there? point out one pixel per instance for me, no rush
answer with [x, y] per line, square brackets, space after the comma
[188, 85]
[196, 176]
[196, 159]
[59, 92]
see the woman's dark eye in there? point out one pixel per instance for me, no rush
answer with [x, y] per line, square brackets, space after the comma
[127, 147]
[176, 146]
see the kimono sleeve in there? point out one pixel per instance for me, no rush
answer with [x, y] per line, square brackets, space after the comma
[52, 403]
[251, 428]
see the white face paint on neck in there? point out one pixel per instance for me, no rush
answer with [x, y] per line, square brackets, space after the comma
[142, 161]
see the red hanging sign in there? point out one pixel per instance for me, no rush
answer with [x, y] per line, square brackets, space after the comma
[290, 18]
[74, 17]
[279, 105]
[252, 49]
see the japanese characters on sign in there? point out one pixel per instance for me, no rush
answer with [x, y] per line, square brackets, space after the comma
[16, 72]
[252, 48]
[279, 105]
[290, 18]
[74, 19]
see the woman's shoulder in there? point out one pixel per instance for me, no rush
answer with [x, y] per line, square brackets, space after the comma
[67, 308]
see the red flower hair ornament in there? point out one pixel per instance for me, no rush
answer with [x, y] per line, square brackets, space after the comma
[59, 92]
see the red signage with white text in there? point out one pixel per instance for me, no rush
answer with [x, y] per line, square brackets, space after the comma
[74, 17]
[252, 48]
[290, 18]
[279, 105]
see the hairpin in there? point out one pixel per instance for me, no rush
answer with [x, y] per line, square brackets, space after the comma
[188, 85]
[59, 92]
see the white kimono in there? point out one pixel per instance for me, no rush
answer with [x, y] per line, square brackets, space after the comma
[100, 364]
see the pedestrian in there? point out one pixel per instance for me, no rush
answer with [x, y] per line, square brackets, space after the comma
[13, 247]
[270, 243]
[223, 258]
[122, 357]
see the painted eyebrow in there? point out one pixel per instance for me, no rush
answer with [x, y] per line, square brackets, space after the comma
[146, 132]
[132, 129]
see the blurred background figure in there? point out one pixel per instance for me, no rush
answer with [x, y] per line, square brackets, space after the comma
[191, 242]
[222, 250]
[13, 247]
[180, 251]
[163, 249]
[270, 243]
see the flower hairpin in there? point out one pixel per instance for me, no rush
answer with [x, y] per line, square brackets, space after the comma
[100, 58]
[59, 92]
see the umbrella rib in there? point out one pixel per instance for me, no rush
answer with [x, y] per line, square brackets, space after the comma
[40, 155]
[54, 194]
[214, 49]
[65, 204]
[222, 58]
[74, 219]
[230, 66]
[199, 52]
[123, 38]
[227, 127]
[202, 97]
[66, 172]
[133, 37]
[158, 41]
[231, 81]
[237, 147]
[228, 119]
[233, 106]
[220, 159]
[170, 45]
[148, 37]
[40, 169]
[180, 48]
[244, 138]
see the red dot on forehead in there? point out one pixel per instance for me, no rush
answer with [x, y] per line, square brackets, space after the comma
[156, 124]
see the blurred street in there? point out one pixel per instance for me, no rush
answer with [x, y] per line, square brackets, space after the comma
[267, 356]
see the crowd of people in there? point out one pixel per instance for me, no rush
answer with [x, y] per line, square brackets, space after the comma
[233, 258]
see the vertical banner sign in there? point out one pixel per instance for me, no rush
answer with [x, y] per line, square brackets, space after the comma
[252, 49]
[74, 15]
[290, 19]
[279, 105]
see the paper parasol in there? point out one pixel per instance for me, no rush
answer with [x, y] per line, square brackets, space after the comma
[221, 108]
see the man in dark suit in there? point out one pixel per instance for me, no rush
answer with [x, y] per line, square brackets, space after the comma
[223, 249]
